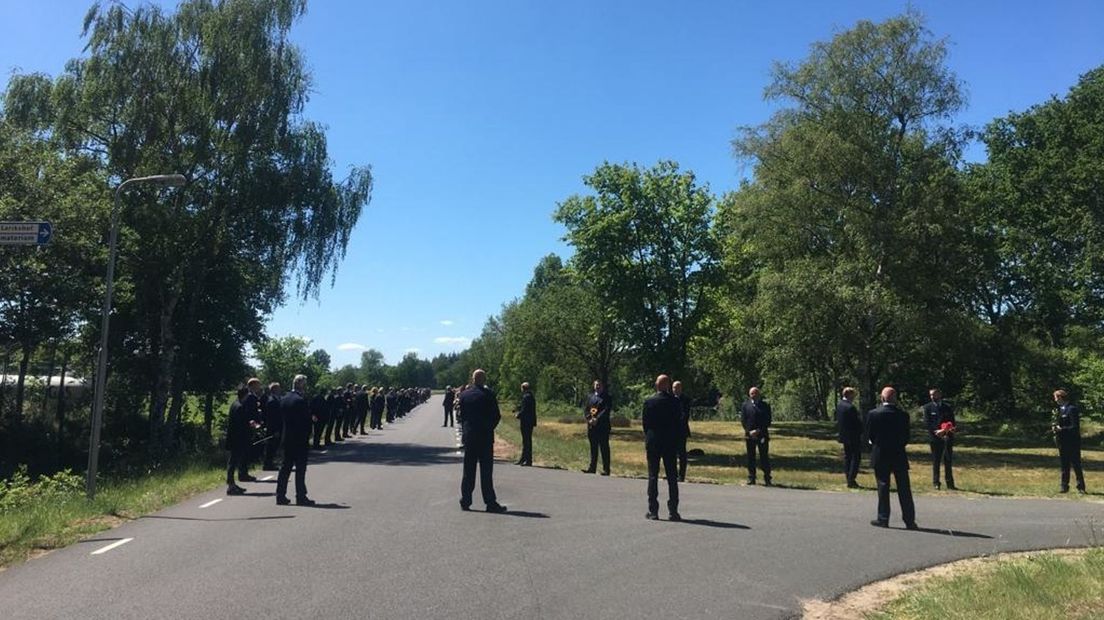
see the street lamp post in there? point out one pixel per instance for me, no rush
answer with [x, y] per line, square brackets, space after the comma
[165, 180]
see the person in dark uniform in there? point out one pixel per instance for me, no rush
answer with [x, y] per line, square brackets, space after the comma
[527, 418]
[662, 422]
[297, 432]
[336, 403]
[850, 427]
[1067, 433]
[239, 437]
[755, 416]
[939, 419]
[597, 412]
[392, 402]
[481, 416]
[377, 408]
[273, 426]
[887, 429]
[360, 403]
[684, 428]
[450, 398]
[320, 415]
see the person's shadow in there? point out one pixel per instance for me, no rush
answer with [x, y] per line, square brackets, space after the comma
[718, 524]
[523, 513]
[952, 533]
[329, 506]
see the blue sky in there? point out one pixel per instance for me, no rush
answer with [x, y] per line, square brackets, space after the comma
[479, 116]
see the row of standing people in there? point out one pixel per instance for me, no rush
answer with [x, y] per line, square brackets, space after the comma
[262, 420]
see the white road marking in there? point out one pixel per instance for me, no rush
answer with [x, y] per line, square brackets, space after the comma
[211, 503]
[459, 451]
[323, 451]
[117, 543]
[267, 478]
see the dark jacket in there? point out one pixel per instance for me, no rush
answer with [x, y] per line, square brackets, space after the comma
[1069, 423]
[887, 428]
[604, 404]
[254, 408]
[684, 415]
[360, 401]
[661, 420]
[273, 420]
[527, 414]
[297, 420]
[450, 396]
[319, 408]
[936, 414]
[756, 416]
[239, 435]
[481, 414]
[848, 421]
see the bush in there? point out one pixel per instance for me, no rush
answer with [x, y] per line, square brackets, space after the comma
[620, 421]
[20, 490]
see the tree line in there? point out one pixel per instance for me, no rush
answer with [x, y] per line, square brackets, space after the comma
[213, 90]
[862, 249]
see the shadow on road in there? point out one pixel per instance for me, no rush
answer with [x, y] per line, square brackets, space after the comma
[718, 524]
[97, 540]
[330, 506]
[954, 533]
[222, 519]
[247, 494]
[523, 513]
[386, 454]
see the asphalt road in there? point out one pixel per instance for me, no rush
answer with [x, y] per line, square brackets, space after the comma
[389, 541]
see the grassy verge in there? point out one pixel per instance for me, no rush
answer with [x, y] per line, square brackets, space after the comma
[806, 455]
[1045, 585]
[55, 520]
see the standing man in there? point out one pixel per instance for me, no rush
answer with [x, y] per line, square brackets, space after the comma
[238, 434]
[297, 432]
[939, 419]
[850, 435]
[662, 419]
[527, 418]
[377, 408]
[450, 397]
[887, 429]
[755, 416]
[481, 416]
[1067, 432]
[683, 428]
[597, 412]
[361, 401]
[273, 426]
[392, 401]
[319, 410]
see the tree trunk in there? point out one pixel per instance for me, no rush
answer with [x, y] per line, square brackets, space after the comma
[49, 377]
[208, 413]
[176, 406]
[61, 411]
[20, 383]
[166, 360]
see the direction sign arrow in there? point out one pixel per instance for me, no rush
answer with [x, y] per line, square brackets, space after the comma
[25, 233]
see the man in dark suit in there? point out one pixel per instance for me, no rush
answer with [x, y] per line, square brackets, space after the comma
[1067, 431]
[755, 416]
[887, 429]
[450, 398]
[597, 412]
[481, 417]
[238, 435]
[937, 414]
[252, 417]
[320, 414]
[392, 402]
[661, 419]
[850, 435]
[273, 426]
[297, 433]
[684, 428]
[360, 405]
[527, 418]
[377, 408]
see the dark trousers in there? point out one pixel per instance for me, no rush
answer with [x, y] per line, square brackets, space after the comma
[347, 421]
[1069, 453]
[448, 416]
[478, 451]
[852, 457]
[239, 462]
[666, 453]
[899, 468]
[390, 416]
[764, 458]
[296, 457]
[599, 442]
[362, 417]
[526, 444]
[270, 448]
[942, 452]
[319, 428]
[680, 452]
[376, 420]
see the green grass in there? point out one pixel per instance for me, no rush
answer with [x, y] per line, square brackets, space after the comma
[1045, 585]
[45, 523]
[806, 455]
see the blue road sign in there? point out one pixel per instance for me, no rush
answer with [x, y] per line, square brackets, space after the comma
[25, 233]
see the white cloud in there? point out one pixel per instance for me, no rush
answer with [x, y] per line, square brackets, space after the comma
[453, 340]
[351, 346]
[446, 322]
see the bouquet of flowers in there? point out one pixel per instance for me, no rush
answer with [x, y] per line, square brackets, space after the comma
[946, 430]
[592, 416]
